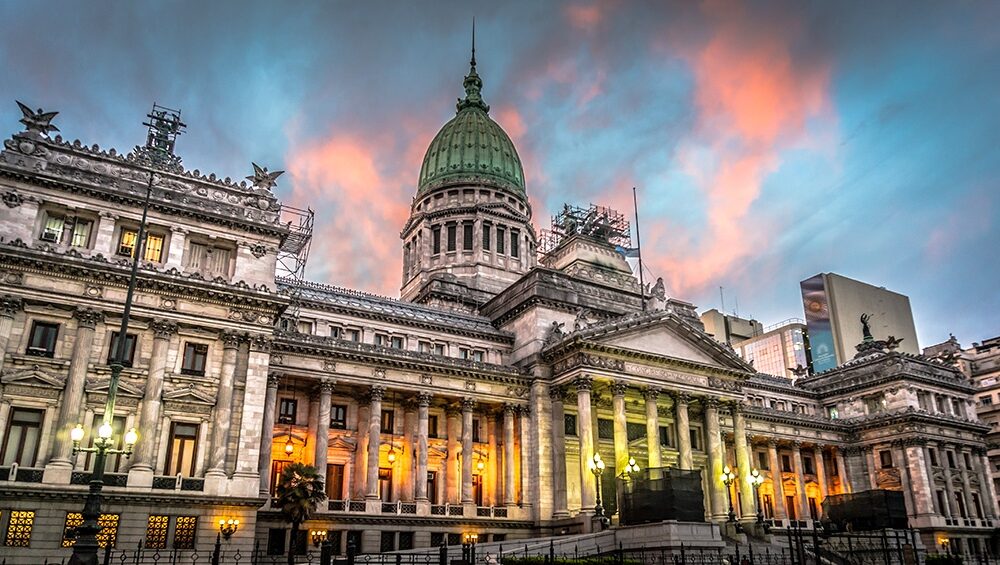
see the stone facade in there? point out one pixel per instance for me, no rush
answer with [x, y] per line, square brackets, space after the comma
[427, 419]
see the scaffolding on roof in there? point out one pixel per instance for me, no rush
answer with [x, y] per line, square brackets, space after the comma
[294, 252]
[596, 222]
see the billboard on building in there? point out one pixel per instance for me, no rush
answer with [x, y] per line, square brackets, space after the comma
[817, 310]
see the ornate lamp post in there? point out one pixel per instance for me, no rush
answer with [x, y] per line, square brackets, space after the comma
[632, 468]
[228, 527]
[164, 126]
[728, 478]
[756, 479]
[318, 537]
[597, 468]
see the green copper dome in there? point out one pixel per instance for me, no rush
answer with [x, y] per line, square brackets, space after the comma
[471, 148]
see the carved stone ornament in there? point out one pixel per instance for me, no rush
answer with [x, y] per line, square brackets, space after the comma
[329, 366]
[378, 373]
[87, 317]
[583, 384]
[426, 379]
[12, 199]
[231, 340]
[650, 393]
[37, 121]
[470, 385]
[168, 303]
[325, 386]
[618, 388]
[263, 343]
[258, 250]
[424, 399]
[468, 404]
[377, 393]
[556, 393]
[273, 380]
[10, 305]
[163, 329]
[94, 291]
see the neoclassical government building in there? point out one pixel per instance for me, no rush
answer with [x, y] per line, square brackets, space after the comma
[474, 402]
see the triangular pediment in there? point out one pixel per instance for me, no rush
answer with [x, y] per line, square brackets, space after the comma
[341, 442]
[663, 334]
[188, 394]
[34, 375]
[124, 388]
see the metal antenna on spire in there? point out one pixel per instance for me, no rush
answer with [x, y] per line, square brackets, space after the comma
[473, 61]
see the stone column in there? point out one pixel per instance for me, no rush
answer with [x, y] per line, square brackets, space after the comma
[221, 417]
[970, 509]
[491, 471]
[746, 498]
[716, 459]
[585, 433]
[653, 457]
[407, 458]
[870, 459]
[845, 485]
[524, 454]
[423, 405]
[561, 509]
[508, 455]
[953, 511]
[988, 492]
[246, 478]
[374, 439]
[920, 481]
[899, 459]
[9, 307]
[620, 423]
[777, 482]
[452, 484]
[820, 475]
[468, 405]
[69, 407]
[267, 433]
[149, 419]
[685, 460]
[325, 389]
[361, 448]
[800, 481]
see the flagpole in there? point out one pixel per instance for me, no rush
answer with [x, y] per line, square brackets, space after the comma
[638, 245]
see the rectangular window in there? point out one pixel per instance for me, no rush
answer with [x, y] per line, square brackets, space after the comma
[73, 521]
[156, 531]
[53, 229]
[695, 435]
[436, 240]
[388, 542]
[665, 436]
[885, 459]
[438, 349]
[335, 482]
[452, 236]
[463, 352]
[335, 332]
[19, 528]
[515, 241]
[396, 342]
[338, 417]
[66, 230]
[80, 236]
[635, 430]
[986, 400]
[475, 430]
[432, 426]
[605, 429]
[807, 466]
[569, 424]
[42, 341]
[154, 245]
[786, 464]
[352, 334]
[108, 535]
[501, 235]
[763, 463]
[477, 356]
[437, 539]
[487, 232]
[405, 541]
[304, 327]
[287, 410]
[129, 356]
[467, 236]
[184, 532]
[933, 454]
[381, 340]
[21, 442]
[181, 449]
[277, 467]
[208, 259]
[968, 461]
[195, 355]
[388, 421]
[951, 459]
[276, 541]
[424, 346]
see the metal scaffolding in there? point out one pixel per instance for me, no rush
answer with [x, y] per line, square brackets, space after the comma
[596, 222]
[294, 252]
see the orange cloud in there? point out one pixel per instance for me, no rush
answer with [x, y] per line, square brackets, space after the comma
[754, 101]
[584, 17]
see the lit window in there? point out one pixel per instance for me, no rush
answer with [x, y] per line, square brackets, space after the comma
[195, 355]
[21, 442]
[184, 532]
[19, 528]
[108, 534]
[182, 448]
[338, 417]
[154, 245]
[388, 419]
[156, 532]
[73, 521]
[42, 341]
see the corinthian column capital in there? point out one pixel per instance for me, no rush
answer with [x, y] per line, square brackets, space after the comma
[88, 317]
[163, 329]
[584, 384]
[10, 305]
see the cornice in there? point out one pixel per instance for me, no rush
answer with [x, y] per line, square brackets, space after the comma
[112, 495]
[761, 414]
[501, 210]
[914, 415]
[576, 347]
[405, 520]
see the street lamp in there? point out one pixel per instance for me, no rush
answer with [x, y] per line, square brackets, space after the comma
[631, 468]
[318, 537]
[164, 126]
[228, 527]
[756, 479]
[728, 478]
[597, 468]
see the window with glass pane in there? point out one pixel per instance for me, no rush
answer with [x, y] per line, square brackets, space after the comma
[786, 464]
[154, 248]
[127, 241]
[467, 236]
[21, 441]
[19, 528]
[156, 532]
[501, 235]
[108, 534]
[277, 467]
[452, 236]
[53, 229]
[515, 243]
[287, 410]
[475, 430]
[114, 462]
[182, 448]
[209, 259]
[666, 435]
[763, 462]
[477, 356]
[436, 240]
[195, 355]
[42, 340]
[569, 424]
[335, 482]
[396, 342]
[807, 465]
[605, 429]
[338, 417]
[432, 426]
[80, 235]
[635, 430]
[129, 349]
[438, 349]
[487, 229]
[388, 419]
[184, 532]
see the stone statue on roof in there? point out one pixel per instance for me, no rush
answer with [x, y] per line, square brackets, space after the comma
[658, 295]
[866, 329]
[37, 121]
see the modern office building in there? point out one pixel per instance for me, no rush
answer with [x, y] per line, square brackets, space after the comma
[475, 403]
[833, 306]
[729, 328]
[781, 350]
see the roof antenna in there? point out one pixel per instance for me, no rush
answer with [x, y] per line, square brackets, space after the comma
[473, 61]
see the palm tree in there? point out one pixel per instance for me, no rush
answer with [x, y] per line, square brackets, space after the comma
[299, 490]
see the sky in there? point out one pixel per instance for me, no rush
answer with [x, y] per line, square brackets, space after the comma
[769, 141]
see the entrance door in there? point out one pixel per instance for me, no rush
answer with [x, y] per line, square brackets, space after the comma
[477, 489]
[790, 507]
[385, 484]
[432, 489]
[813, 512]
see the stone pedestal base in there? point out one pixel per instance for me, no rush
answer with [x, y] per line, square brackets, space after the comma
[57, 473]
[216, 483]
[140, 477]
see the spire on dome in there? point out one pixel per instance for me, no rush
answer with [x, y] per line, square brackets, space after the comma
[472, 83]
